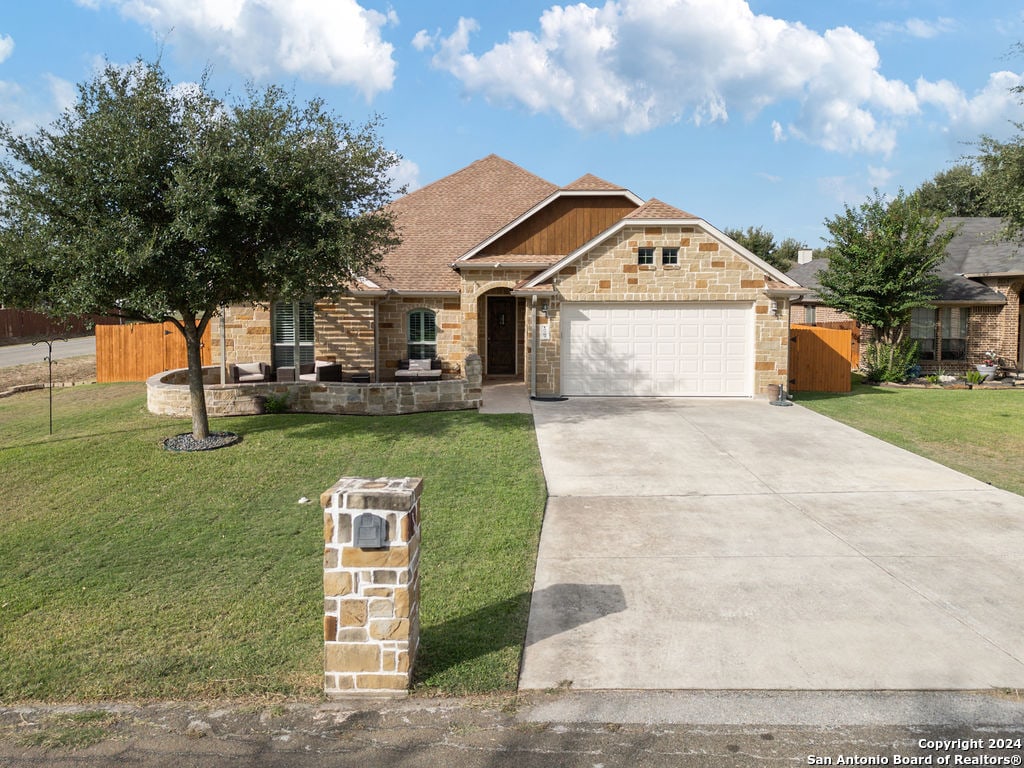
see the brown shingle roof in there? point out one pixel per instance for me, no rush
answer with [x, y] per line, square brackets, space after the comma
[655, 209]
[514, 258]
[591, 183]
[442, 221]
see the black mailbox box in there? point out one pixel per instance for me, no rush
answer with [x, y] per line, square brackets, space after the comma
[370, 532]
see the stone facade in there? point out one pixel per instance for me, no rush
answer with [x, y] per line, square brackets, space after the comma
[393, 333]
[370, 335]
[343, 332]
[371, 594]
[167, 394]
[707, 272]
[247, 335]
[477, 285]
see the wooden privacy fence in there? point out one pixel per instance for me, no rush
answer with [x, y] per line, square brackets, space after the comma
[135, 352]
[25, 324]
[821, 359]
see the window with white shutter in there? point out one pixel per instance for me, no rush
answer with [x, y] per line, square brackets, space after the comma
[422, 335]
[292, 327]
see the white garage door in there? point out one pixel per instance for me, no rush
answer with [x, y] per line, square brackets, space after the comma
[657, 349]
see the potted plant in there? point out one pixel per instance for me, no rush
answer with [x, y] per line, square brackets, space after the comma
[987, 366]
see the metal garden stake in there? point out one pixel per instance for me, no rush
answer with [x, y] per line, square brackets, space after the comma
[49, 359]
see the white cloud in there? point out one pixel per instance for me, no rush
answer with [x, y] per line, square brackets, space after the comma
[914, 27]
[990, 108]
[633, 65]
[64, 92]
[879, 177]
[6, 47]
[422, 40]
[337, 41]
[24, 109]
[405, 174]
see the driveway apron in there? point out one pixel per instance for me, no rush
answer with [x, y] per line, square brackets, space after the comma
[728, 544]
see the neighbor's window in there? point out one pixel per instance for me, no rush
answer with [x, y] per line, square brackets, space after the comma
[810, 314]
[922, 330]
[422, 335]
[645, 256]
[955, 321]
[292, 327]
[669, 256]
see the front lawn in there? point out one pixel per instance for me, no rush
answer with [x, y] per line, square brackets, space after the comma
[979, 432]
[127, 571]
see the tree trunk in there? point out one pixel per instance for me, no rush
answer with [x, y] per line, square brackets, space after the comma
[193, 340]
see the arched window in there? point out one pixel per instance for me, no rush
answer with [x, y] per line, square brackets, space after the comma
[422, 335]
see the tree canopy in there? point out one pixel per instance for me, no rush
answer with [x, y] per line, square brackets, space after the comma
[1002, 164]
[958, 191]
[883, 256]
[761, 242]
[162, 203]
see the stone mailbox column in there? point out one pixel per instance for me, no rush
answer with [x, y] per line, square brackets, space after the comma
[371, 595]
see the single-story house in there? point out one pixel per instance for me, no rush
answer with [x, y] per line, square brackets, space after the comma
[978, 309]
[584, 289]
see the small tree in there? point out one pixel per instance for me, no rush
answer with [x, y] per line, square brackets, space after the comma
[164, 203]
[882, 263]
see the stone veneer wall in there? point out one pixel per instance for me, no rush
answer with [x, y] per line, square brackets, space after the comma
[476, 284]
[167, 395]
[343, 332]
[393, 316]
[371, 596]
[247, 335]
[707, 272]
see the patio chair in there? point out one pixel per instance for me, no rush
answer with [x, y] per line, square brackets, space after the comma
[242, 373]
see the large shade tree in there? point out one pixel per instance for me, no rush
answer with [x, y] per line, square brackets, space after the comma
[164, 203]
[882, 261]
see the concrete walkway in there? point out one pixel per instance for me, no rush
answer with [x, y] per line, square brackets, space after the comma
[505, 395]
[719, 544]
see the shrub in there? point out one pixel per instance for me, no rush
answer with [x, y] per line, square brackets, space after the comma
[276, 404]
[975, 377]
[883, 361]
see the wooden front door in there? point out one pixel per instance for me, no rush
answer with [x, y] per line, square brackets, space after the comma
[501, 335]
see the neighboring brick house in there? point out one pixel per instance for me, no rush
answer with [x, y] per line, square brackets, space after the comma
[623, 297]
[978, 309]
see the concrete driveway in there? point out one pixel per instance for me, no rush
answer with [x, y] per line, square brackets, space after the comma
[720, 544]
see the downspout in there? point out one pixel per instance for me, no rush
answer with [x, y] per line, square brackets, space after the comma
[533, 348]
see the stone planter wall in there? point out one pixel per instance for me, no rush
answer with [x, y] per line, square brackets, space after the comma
[167, 395]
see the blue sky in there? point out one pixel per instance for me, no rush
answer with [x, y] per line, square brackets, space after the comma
[744, 112]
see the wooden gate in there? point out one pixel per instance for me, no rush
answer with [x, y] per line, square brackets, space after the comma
[135, 352]
[820, 359]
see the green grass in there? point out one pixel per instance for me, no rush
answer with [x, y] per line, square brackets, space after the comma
[127, 571]
[70, 731]
[979, 432]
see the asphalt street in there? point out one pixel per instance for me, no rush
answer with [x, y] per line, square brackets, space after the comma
[21, 354]
[554, 728]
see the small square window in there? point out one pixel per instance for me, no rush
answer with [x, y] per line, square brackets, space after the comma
[645, 256]
[670, 256]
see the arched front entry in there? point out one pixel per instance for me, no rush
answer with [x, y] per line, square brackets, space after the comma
[501, 332]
